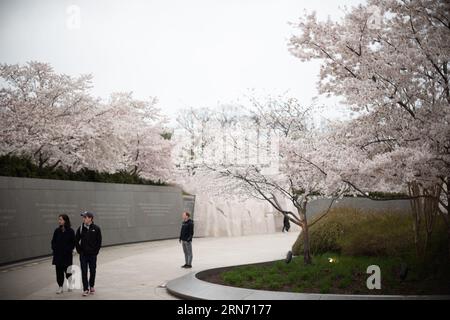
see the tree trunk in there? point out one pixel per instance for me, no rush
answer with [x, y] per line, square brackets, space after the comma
[424, 207]
[52, 167]
[448, 217]
[41, 162]
[305, 232]
[306, 244]
[445, 213]
[448, 239]
[413, 189]
[431, 211]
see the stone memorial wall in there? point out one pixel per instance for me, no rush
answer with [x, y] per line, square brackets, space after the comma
[126, 213]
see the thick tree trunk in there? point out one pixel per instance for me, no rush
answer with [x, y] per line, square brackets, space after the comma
[306, 244]
[424, 207]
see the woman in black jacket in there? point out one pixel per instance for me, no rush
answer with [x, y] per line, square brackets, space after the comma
[63, 243]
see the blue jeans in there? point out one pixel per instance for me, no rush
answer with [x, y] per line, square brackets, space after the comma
[88, 261]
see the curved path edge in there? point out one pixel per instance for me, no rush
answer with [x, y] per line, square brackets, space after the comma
[190, 287]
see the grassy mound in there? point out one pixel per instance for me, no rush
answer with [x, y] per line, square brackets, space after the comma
[353, 232]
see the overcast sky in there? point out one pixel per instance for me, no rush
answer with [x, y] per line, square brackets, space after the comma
[187, 53]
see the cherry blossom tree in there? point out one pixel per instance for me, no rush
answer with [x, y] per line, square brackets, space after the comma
[43, 115]
[137, 128]
[389, 61]
[302, 157]
[53, 119]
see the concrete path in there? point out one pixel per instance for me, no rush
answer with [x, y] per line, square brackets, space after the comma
[136, 271]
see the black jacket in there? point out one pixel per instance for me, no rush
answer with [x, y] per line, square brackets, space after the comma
[187, 230]
[63, 243]
[88, 241]
[286, 222]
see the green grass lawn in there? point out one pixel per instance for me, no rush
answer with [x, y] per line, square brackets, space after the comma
[345, 275]
[357, 239]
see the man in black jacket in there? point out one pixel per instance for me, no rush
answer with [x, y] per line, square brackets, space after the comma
[186, 234]
[286, 223]
[88, 242]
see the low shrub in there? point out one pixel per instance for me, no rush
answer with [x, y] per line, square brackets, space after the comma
[14, 166]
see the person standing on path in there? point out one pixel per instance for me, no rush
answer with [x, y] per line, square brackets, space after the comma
[63, 243]
[286, 223]
[186, 234]
[88, 241]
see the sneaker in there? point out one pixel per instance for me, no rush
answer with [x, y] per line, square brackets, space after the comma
[60, 290]
[188, 266]
[85, 293]
[92, 290]
[185, 266]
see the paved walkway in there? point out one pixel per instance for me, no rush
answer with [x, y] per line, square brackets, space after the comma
[136, 271]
